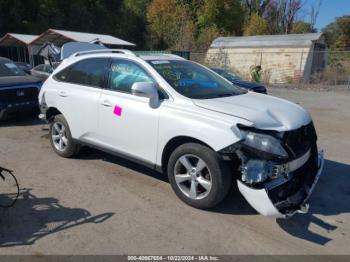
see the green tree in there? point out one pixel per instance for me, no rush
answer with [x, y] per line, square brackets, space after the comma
[225, 15]
[302, 27]
[130, 21]
[170, 25]
[337, 33]
[256, 25]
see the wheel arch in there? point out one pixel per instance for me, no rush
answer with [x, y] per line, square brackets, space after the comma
[175, 142]
[51, 112]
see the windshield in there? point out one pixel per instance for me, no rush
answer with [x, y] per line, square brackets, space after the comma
[194, 81]
[10, 69]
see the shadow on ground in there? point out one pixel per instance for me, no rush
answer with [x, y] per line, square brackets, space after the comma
[330, 198]
[92, 154]
[33, 218]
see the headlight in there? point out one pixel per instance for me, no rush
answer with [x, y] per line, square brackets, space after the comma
[263, 142]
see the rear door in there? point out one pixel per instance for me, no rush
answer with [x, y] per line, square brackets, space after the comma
[78, 92]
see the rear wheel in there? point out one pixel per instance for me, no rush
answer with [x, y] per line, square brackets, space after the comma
[61, 138]
[198, 176]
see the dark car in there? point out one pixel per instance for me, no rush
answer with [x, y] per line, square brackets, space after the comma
[24, 66]
[42, 71]
[18, 91]
[236, 80]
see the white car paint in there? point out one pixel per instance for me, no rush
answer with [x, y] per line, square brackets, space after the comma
[266, 112]
[143, 131]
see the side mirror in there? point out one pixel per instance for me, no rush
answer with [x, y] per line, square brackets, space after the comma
[146, 89]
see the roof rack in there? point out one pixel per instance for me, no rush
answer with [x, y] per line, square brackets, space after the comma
[99, 51]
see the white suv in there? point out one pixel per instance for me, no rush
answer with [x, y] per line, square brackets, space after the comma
[188, 122]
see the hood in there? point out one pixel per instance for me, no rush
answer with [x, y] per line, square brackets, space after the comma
[8, 81]
[265, 112]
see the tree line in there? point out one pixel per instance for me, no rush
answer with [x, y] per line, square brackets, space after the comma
[170, 24]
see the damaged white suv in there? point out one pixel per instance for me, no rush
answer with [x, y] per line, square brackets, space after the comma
[187, 121]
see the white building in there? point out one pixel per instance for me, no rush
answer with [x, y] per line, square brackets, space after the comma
[284, 58]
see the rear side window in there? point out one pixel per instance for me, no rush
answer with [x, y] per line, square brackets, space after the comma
[88, 72]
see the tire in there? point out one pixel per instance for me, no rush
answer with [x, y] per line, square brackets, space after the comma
[69, 147]
[200, 194]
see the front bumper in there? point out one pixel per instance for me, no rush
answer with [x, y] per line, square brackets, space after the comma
[261, 199]
[17, 107]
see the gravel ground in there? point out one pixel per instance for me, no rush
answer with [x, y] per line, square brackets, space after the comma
[101, 204]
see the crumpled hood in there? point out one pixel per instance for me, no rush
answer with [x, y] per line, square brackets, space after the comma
[265, 112]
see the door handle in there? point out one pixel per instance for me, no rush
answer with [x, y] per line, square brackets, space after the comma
[106, 103]
[62, 94]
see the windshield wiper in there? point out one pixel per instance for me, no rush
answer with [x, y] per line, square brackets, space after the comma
[225, 95]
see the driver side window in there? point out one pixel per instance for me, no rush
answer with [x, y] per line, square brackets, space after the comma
[123, 74]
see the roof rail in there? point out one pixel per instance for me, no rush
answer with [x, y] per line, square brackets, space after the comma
[99, 51]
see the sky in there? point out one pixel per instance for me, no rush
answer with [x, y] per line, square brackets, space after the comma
[329, 10]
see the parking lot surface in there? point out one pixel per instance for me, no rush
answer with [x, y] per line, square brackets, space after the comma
[101, 204]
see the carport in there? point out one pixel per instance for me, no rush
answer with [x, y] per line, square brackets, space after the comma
[17, 47]
[59, 37]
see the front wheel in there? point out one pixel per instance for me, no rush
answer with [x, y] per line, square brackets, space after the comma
[61, 138]
[198, 176]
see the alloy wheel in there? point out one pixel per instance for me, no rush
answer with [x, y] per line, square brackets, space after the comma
[59, 136]
[192, 176]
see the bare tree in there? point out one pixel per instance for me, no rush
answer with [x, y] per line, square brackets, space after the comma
[255, 6]
[314, 11]
[290, 10]
[282, 14]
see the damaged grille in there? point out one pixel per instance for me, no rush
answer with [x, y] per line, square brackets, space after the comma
[298, 141]
[291, 194]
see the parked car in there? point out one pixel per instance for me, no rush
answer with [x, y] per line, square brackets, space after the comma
[18, 91]
[42, 71]
[24, 66]
[186, 121]
[236, 80]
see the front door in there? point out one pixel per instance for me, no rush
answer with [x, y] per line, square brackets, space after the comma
[128, 124]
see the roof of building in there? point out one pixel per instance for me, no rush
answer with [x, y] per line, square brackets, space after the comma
[12, 39]
[267, 40]
[59, 37]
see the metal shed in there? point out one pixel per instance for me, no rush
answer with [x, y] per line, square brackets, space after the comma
[21, 47]
[16, 46]
[59, 37]
[284, 58]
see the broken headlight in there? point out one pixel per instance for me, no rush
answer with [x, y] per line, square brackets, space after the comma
[263, 142]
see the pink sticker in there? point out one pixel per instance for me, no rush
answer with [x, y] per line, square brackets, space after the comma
[117, 111]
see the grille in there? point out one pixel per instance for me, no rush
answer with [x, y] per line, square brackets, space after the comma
[18, 95]
[298, 141]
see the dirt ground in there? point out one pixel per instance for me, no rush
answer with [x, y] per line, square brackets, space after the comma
[101, 204]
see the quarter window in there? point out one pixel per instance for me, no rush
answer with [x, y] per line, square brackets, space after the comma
[63, 75]
[124, 74]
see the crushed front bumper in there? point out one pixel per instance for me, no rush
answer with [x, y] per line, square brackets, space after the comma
[264, 200]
